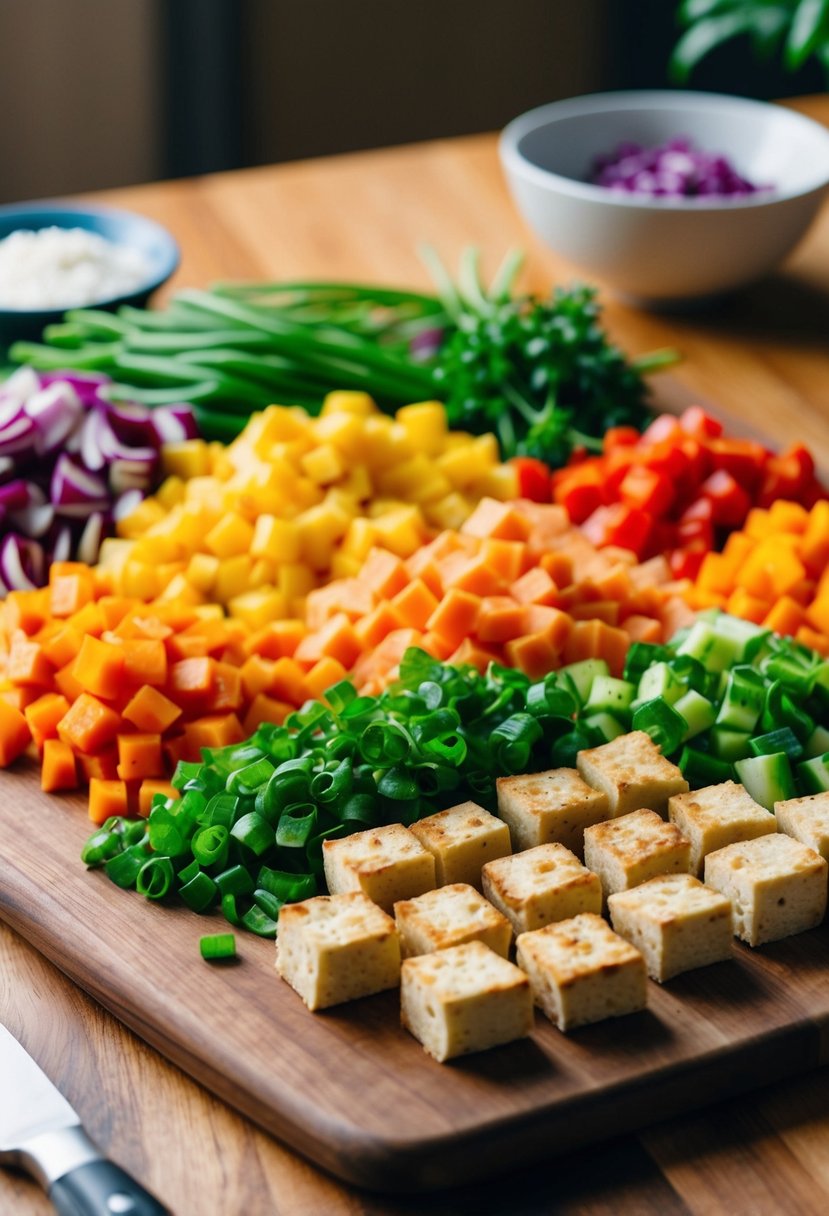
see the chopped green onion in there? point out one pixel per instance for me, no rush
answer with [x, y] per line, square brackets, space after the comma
[216, 946]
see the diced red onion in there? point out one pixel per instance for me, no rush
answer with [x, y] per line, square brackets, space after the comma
[174, 423]
[75, 492]
[132, 424]
[85, 384]
[61, 543]
[89, 449]
[34, 520]
[7, 465]
[675, 169]
[21, 384]
[16, 494]
[91, 537]
[56, 410]
[131, 475]
[125, 504]
[22, 563]
[18, 436]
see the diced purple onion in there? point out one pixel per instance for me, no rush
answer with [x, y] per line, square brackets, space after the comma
[174, 423]
[675, 169]
[55, 410]
[22, 563]
[18, 436]
[75, 492]
[16, 494]
[132, 424]
[91, 537]
[131, 475]
[61, 543]
[125, 504]
[85, 384]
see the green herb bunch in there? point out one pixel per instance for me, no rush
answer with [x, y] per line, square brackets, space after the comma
[797, 29]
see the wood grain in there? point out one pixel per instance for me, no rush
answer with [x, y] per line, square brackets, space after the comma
[764, 357]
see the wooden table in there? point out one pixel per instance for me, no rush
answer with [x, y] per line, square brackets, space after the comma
[764, 357]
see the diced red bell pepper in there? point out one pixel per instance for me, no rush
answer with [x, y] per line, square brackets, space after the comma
[686, 562]
[647, 489]
[618, 524]
[664, 426]
[579, 490]
[620, 437]
[744, 459]
[533, 478]
[730, 502]
[694, 421]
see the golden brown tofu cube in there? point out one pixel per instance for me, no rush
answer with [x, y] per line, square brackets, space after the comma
[461, 840]
[716, 816]
[552, 807]
[807, 820]
[541, 885]
[635, 847]
[450, 916]
[386, 864]
[633, 773]
[676, 921]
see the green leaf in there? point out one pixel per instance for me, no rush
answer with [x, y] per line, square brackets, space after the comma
[693, 10]
[808, 30]
[769, 27]
[703, 37]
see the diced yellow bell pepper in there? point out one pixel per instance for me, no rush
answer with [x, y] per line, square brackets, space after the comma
[190, 458]
[231, 536]
[425, 424]
[258, 608]
[346, 402]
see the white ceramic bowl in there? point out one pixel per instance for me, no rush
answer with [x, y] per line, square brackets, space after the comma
[665, 250]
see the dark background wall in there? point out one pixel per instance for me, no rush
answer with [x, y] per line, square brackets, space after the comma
[95, 93]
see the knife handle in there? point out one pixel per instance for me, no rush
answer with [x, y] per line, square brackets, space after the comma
[100, 1188]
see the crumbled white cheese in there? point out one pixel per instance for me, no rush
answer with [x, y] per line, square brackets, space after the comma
[66, 268]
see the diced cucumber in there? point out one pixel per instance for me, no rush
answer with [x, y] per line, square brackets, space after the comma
[817, 743]
[730, 745]
[660, 681]
[610, 695]
[767, 778]
[605, 726]
[641, 656]
[699, 769]
[813, 775]
[697, 711]
[749, 636]
[715, 649]
[581, 676]
[742, 705]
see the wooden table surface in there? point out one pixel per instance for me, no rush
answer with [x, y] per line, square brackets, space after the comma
[764, 357]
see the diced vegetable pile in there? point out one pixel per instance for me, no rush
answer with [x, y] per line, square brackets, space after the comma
[675, 169]
[348, 617]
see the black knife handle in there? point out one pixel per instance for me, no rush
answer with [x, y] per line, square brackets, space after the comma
[100, 1188]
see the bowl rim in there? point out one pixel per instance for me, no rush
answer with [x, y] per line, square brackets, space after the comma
[515, 161]
[57, 208]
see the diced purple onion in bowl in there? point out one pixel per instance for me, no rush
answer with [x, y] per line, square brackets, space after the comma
[675, 169]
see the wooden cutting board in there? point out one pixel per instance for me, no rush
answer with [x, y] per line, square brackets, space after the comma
[348, 1087]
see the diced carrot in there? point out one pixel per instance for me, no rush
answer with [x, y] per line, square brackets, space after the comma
[534, 654]
[138, 624]
[114, 608]
[336, 639]
[674, 615]
[256, 675]
[147, 791]
[65, 682]
[551, 622]
[139, 756]
[14, 733]
[381, 621]
[803, 592]
[383, 573]
[615, 584]
[378, 664]
[43, 716]
[151, 711]
[559, 566]
[89, 619]
[596, 640]
[470, 652]
[817, 614]
[323, 675]
[26, 610]
[219, 730]
[227, 689]
[642, 628]
[436, 646]
[288, 682]
[597, 610]
[535, 587]
[815, 547]
[502, 521]
[107, 798]
[277, 640]
[58, 769]
[27, 664]
[810, 637]
[785, 616]
[99, 668]
[186, 646]
[414, 604]
[424, 565]
[749, 607]
[265, 709]
[70, 592]
[190, 681]
[63, 646]
[471, 574]
[145, 660]
[509, 558]
[455, 617]
[88, 725]
[500, 618]
[19, 698]
[103, 765]
[351, 596]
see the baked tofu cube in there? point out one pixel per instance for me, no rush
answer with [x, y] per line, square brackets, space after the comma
[336, 948]
[461, 840]
[541, 885]
[386, 864]
[777, 886]
[554, 807]
[627, 851]
[807, 820]
[581, 971]
[633, 773]
[716, 816]
[450, 916]
[464, 999]
[676, 921]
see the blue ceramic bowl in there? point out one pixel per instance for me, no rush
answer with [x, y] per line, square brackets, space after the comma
[121, 227]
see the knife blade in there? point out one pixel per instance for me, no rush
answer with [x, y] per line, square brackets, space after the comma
[41, 1133]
